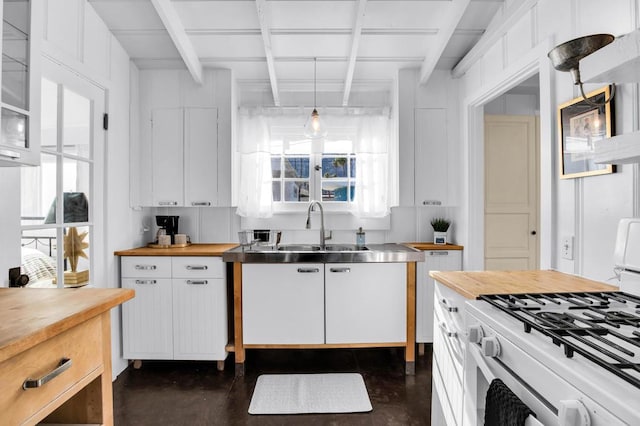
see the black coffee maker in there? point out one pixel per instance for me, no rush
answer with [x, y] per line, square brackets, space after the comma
[168, 226]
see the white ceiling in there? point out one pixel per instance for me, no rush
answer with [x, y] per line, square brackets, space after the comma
[274, 42]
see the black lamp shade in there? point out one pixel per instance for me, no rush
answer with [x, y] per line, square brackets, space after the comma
[76, 208]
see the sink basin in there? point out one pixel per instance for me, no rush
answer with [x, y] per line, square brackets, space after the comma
[299, 247]
[345, 247]
[315, 248]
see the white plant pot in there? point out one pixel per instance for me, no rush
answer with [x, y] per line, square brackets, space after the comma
[439, 237]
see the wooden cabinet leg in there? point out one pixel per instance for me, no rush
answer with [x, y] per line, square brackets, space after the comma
[137, 363]
[421, 349]
[220, 365]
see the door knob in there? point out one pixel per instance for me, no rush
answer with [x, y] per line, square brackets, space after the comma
[533, 232]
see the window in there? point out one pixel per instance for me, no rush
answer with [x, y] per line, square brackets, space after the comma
[60, 199]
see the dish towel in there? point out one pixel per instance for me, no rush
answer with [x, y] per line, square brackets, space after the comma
[503, 407]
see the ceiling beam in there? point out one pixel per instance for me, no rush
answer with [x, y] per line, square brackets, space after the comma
[355, 41]
[173, 24]
[440, 41]
[263, 14]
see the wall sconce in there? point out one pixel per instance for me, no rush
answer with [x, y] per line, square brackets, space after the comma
[567, 56]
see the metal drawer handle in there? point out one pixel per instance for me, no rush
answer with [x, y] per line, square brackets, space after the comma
[308, 270]
[439, 253]
[446, 306]
[13, 155]
[200, 203]
[197, 267]
[448, 333]
[340, 269]
[63, 366]
[146, 267]
[145, 281]
[197, 282]
[167, 203]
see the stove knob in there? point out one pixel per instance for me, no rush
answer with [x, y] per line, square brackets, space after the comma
[490, 347]
[573, 413]
[475, 333]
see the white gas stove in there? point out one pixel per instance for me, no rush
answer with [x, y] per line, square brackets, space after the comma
[574, 359]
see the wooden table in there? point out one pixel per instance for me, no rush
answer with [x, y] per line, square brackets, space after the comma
[55, 355]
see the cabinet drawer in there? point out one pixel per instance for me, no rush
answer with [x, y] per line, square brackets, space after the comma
[449, 337]
[146, 266]
[197, 267]
[450, 306]
[81, 345]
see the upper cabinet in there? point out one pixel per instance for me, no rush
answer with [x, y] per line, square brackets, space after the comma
[20, 81]
[184, 153]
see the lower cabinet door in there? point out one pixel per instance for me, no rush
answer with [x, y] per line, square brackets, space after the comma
[147, 324]
[199, 319]
[366, 302]
[283, 303]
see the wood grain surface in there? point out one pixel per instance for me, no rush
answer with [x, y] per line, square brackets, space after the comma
[431, 246]
[29, 316]
[192, 250]
[474, 284]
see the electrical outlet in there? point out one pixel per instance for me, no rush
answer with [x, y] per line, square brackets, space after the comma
[566, 248]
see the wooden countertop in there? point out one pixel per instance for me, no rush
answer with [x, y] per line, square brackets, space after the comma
[192, 250]
[474, 284]
[29, 316]
[432, 246]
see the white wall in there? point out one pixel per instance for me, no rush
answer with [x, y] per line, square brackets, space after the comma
[587, 208]
[9, 222]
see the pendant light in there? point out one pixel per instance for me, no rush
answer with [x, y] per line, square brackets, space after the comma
[313, 128]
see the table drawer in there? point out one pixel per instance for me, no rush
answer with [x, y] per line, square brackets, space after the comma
[146, 266]
[197, 267]
[81, 345]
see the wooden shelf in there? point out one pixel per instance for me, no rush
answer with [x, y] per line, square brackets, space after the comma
[622, 149]
[618, 62]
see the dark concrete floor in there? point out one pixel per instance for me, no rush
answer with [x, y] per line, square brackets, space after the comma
[195, 393]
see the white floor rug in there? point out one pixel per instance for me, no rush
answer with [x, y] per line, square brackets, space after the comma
[310, 393]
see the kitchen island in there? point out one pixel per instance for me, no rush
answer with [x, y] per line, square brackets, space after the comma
[338, 296]
[55, 355]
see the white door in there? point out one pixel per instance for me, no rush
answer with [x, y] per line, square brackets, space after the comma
[167, 156]
[511, 192]
[201, 157]
[366, 302]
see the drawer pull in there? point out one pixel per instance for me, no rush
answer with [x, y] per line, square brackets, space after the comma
[446, 306]
[12, 155]
[145, 281]
[308, 270]
[197, 282]
[167, 203]
[146, 267]
[63, 366]
[448, 333]
[197, 267]
[340, 269]
[200, 203]
[439, 253]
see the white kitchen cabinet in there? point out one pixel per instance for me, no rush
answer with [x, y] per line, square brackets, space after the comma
[366, 303]
[434, 260]
[431, 157]
[184, 151]
[283, 303]
[20, 82]
[180, 308]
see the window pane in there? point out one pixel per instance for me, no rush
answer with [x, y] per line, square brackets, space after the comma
[39, 252]
[277, 191]
[37, 191]
[337, 191]
[77, 254]
[15, 53]
[75, 183]
[296, 191]
[296, 167]
[77, 124]
[49, 111]
[276, 167]
[334, 167]
[352, 172]
[14, 128]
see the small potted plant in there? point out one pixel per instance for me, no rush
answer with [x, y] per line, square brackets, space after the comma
[440, 228]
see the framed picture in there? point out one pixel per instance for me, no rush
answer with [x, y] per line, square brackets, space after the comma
[579, 125]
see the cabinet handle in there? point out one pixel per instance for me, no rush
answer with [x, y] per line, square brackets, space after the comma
[146, 267]
[448, 333]
[432, 203]
[146, 281]
[439, 253]
[13, 155]
[340, 269]
[308, 270]
[447, 307]
[197, 282]
[200, 203]
[167, 203]
[197, 267]
[63, 366]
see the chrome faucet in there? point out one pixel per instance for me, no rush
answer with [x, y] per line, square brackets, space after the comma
[323, 236]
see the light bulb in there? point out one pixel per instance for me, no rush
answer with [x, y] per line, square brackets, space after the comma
[315, 121]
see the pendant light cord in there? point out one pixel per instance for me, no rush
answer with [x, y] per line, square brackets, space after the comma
[315, 70]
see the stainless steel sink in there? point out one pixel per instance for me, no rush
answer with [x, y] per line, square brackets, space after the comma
[317, 248]
[299, 247]
[345, 247]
